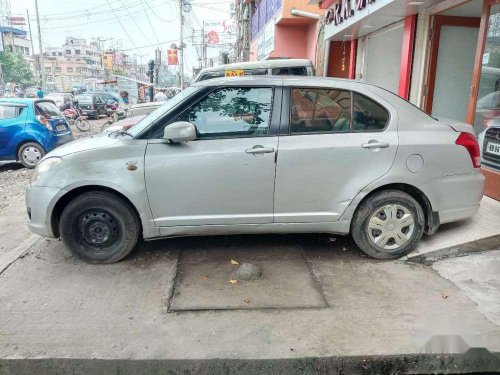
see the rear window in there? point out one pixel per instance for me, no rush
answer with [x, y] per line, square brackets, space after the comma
[47, 110]
[84, 99]
[290, 71]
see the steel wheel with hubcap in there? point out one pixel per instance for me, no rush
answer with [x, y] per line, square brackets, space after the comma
[30, 154]
[388, 224]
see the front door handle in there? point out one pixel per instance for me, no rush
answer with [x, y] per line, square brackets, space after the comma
[259, 149]
[375, 144]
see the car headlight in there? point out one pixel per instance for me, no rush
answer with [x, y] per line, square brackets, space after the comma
[43, 167]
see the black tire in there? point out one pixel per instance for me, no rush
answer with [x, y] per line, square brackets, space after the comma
[374, 208]
[82, 125]
[30, 154]
[99, 227]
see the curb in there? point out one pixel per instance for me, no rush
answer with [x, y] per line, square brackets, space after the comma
[474, 360]
[477, 246]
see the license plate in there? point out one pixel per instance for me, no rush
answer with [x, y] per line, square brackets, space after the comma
[493, 148]
[61, 127]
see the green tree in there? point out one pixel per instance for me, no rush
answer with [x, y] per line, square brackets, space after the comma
[15, 69]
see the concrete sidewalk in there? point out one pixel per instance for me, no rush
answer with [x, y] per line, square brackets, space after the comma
[318, 308]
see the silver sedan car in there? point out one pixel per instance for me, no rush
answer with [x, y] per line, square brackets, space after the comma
[262, 155]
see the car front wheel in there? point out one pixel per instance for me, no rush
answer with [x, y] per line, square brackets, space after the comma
[99, 227]
[388, 224]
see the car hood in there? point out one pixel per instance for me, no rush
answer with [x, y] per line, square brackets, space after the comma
[84, 144]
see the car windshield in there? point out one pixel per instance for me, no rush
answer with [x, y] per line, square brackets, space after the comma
[160, 111]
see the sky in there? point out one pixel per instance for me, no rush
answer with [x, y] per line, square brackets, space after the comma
[136, 26]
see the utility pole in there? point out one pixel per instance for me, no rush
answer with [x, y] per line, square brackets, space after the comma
[42, 68]
[151, 74]
[181, 47]
[31, 35]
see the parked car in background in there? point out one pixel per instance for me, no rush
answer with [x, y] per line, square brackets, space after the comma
[92, 105]
[124, 124]
[108, 96]
[262, 155]
[143, 108]
[278, 67]
[31, 128]
[60, 98]
[30, 92]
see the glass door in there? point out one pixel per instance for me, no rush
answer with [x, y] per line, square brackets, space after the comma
[484, 105]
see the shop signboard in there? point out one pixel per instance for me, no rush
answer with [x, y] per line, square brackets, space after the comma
[265, 43]
[220, 32]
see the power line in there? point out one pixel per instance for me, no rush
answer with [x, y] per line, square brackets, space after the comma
[151, 45]
[149, 20]
[161, 19]
[135, 22]
[120, 22]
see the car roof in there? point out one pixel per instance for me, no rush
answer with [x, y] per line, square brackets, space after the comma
[265, 64]
[24, 101]
[307, 81]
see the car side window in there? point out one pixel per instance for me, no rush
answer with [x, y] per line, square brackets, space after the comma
[320, 110]
[368, 115]
[293, 71]
[232, 112]
[7, 111]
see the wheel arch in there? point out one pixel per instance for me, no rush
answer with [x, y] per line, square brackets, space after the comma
[72, 194]
[431, 217]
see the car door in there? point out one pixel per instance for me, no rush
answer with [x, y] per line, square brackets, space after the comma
[226, 176]
[12, 123]
[337, 142]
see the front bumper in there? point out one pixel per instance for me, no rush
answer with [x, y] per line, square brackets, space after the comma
[40, 202]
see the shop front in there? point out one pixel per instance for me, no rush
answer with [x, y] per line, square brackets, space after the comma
[443, 56]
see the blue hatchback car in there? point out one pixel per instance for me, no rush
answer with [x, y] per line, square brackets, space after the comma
[29, 128]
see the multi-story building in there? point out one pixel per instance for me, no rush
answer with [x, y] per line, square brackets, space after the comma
[75, 62]
[277, 31]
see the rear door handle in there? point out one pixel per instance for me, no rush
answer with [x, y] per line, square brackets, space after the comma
[258, 149]
[375, 144]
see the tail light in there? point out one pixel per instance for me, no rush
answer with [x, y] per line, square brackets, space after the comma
[468, 141]
[43, 120]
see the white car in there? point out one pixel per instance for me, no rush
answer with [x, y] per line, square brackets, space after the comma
[262, 155]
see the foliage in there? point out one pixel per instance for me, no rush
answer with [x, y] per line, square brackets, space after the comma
[15, 69]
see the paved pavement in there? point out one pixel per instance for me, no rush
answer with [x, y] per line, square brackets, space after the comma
[172, 301]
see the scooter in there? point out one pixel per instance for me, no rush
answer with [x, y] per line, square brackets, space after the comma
[74, 115]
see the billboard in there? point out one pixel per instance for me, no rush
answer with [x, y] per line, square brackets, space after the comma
[220, 32]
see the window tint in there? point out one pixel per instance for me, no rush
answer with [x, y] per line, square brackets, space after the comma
[255, 72]
[231, 112]
[320, 110]
[47, 110]
[10, 111]
[368, 115]
[294, 71]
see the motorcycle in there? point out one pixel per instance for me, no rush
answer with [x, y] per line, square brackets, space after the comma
[74, 116]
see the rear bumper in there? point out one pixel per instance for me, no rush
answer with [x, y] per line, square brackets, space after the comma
[89, 113]
[64, 138]
[455, 197]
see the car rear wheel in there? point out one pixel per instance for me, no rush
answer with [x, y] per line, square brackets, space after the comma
[388, 225]
[30, 154]
[99, 227]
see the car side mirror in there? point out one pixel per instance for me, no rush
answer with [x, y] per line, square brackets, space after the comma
[180, 131]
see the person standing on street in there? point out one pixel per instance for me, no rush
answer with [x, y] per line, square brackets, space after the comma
[40, 94]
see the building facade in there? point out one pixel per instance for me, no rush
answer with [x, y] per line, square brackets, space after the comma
[277, 33]
[443, 56]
